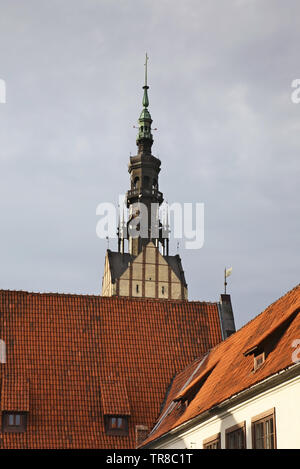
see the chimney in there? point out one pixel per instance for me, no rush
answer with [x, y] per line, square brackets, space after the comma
[141, 433]
[226, 316]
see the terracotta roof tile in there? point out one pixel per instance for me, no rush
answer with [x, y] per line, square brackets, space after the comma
[67, 346]
[114, 398]
[229, 371]
[15, 394]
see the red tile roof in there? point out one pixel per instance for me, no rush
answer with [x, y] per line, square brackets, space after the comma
[114, 398]
[14, 394]
[228, 368]
[69, 346]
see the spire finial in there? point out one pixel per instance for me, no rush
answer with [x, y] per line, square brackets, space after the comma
[145, 97]
[146, 69]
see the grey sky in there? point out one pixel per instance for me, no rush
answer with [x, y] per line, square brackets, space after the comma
[220, 75]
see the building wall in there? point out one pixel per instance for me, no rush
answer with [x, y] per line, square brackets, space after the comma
[149, 276]
[284, 398]
[108, 288]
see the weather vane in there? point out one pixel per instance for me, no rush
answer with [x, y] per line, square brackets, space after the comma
[227, 272]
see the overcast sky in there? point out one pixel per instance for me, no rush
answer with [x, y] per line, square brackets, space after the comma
[220, 74]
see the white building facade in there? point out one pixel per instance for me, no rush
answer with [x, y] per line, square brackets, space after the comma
[266, 415]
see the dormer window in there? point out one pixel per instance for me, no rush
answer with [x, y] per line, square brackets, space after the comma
[14, 403]
[116, 425]
[259, 360]
[13, 422]
[261, 347]
[191, 389]
[116, 407]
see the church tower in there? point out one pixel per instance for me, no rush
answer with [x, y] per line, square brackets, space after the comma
[146, 270]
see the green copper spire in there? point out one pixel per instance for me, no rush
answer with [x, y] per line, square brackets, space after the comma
[145, 120]
[145, 97]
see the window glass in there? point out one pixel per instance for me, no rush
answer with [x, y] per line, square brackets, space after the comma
[120, 422]
[113, 422]
[259, 435]
[269, 434]
[235, 439]
[13, 422]
[116, 425]
[264, 434]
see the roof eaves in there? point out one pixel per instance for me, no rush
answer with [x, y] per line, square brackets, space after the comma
[293, 370]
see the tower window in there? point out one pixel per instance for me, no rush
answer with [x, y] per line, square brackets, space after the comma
[146, 181]
[137, 288]
[163, 290]
[135, 182]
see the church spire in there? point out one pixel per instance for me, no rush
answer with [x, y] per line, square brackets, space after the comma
[145, 269]
[144, 139]
[144, 197]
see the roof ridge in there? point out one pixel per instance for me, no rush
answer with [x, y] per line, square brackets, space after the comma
[259, 314]
[106, 298]
[115, 297]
